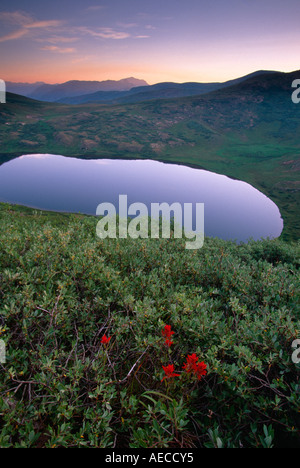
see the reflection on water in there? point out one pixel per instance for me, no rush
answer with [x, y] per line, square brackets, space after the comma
[233, 209]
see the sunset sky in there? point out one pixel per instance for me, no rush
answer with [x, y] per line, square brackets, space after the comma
[158, 40]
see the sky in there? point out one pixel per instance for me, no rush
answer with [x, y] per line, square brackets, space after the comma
[154, 40]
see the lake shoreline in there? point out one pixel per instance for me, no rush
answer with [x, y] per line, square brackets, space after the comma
[285, 201]
[233, 209]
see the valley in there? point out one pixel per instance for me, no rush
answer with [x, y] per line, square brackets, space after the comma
[249, 131]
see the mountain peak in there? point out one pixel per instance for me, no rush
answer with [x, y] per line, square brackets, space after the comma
[75, 88]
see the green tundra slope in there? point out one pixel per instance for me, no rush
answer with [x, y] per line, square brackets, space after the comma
[250, 131]
[233, 307]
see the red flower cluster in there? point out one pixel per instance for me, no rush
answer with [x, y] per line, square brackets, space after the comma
[192, 365]
[105, 340]
[167, 334]
[169, 371]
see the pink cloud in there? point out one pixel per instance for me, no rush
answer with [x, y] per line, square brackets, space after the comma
[14, 35]
[60, 50]
[105, 33]
[26, 24]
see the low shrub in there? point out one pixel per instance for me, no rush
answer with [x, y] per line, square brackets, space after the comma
[90, 362]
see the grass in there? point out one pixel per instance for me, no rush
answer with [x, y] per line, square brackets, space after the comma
[62, 289]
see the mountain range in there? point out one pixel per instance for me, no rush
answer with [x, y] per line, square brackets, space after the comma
[124, 91]
[165, 90]
[55, 92]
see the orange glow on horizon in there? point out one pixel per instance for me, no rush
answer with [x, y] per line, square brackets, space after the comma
[150, 76]
[154, 71]
[197, 41]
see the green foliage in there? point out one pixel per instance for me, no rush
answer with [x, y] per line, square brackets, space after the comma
[62, 289]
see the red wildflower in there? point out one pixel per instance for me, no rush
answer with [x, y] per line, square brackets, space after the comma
[169, 371]
[191, 361]
[167, 332]
[200, 370]
[105, 340]
[168, 343]
[192, 365]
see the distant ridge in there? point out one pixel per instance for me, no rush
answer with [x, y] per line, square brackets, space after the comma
[25, 89]
[165, 90]
[125, 91]
[73, 88]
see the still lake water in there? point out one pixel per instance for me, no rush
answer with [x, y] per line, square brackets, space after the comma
[233, 209]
